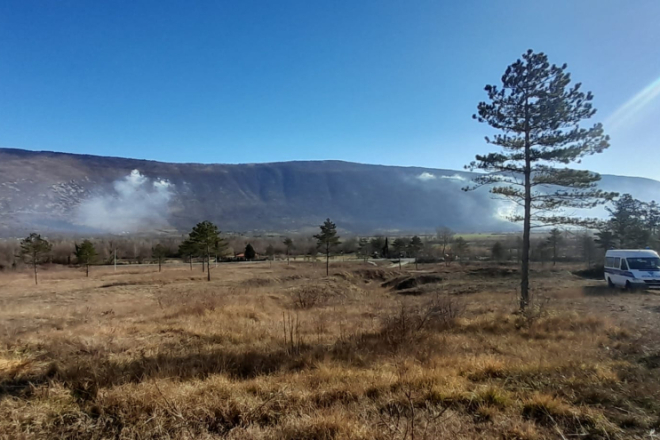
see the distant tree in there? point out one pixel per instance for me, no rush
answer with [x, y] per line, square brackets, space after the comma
[288, 247]
[519, 247]
[112, 251]
[249, 253]
[555, 240]
[628, 222]
[587, 246]
[399, 246]
[326, 240]
[415, 248]
[222, 249]
[542, 251]
[445, 237]
[653, 224]
[460, 247]
[34, 251]
[159, 252]
[497, 251]
[206, 238]
[377, 244]
[188, 249]
[605, 238]
[634, 223]
[538, 115]
[349, 246]
[364, 248]
[270, 252]
[386, 249]
[85, 254]
[653, 218]
[312, 252]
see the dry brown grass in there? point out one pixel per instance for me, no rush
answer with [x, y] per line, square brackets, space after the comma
[284, 352]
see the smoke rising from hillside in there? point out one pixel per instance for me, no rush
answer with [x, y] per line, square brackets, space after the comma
[135, 203]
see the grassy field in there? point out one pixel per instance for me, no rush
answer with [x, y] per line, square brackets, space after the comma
[284, 352]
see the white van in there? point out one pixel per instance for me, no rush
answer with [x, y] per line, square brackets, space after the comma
[633, 268]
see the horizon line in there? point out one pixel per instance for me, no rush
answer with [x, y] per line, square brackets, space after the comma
[274, 162]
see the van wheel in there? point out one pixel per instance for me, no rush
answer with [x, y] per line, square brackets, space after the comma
[629, 286]
[610, 284]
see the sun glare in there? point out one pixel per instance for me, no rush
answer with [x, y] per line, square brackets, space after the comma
[629, 111]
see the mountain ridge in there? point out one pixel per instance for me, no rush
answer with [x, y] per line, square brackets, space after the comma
[55, 191]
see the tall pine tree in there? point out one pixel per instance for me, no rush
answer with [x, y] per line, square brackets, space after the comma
[538, 114]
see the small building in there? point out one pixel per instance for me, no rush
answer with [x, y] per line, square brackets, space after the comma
[241, 257]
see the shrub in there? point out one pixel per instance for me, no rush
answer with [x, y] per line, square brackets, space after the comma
[438, 313]
[306, 297]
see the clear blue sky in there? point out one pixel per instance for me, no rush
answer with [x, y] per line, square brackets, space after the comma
[390, 82]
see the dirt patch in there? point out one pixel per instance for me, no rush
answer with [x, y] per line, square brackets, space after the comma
[343, 275]
[257, 282]
[464, 290]
[375, 274]
[651, 361]
[655, 309]
[126, 283]
[415, 291]
[593, 273]
[407, 282]
[493, 272]
[601, 290]
[323, 292]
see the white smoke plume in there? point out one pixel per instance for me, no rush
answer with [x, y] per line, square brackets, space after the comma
[428, 176]
[454, 177]
[136, 203]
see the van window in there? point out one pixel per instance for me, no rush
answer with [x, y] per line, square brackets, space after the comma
[645, 263]
[617, 261]
[624, 265]
[609, 261]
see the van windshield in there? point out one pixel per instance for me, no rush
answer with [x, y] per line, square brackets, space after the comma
[650, 263]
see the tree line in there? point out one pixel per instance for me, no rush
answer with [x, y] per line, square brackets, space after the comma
[631, 224]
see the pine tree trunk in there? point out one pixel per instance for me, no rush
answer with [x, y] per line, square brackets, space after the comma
[36, 281]
[87, 270]
[159, 265]
[208, 264]
[327, 259]
[524, 270]
[190, 261]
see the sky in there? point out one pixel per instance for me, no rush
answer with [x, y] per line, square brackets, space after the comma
[372, 81]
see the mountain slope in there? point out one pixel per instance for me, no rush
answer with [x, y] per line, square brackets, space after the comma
[66, 192]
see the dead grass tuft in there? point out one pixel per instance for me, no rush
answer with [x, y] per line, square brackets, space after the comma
[438, 313]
